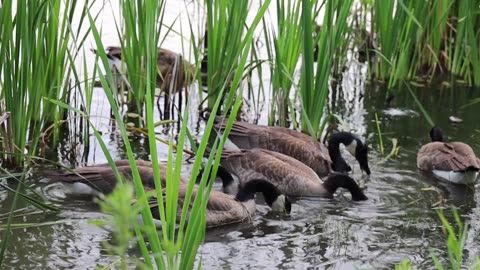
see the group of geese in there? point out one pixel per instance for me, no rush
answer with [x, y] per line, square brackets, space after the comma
[279, 163]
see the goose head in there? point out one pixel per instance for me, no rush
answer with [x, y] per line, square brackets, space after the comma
[337, 180]
[436, 134]
[278, 202]
[354, 146]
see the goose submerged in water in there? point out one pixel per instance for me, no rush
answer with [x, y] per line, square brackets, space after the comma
[221, 208]
[302, 147]
[290, 176]
[449, 161]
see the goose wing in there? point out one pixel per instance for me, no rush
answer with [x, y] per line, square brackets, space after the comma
[102, 177]
[126, 162]
[284, 140]
[311, 153]
[289, 175]
[221, 208]
[453, 156]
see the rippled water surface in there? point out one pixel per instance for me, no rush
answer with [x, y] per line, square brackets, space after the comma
[398, 221]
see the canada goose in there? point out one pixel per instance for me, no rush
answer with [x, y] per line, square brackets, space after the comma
[449, 161]
[289, 175]
[223, 209]
[172, 76]
[97, 179]
[298, 145]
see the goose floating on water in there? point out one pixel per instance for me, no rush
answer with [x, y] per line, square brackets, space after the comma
[314, 154]
[221, 208]
[290, 176]
[449, 161]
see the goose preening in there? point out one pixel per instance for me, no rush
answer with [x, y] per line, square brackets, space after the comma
[174, 73]
[222, 208]
[449, 161]
[314, 154]
[290, 176]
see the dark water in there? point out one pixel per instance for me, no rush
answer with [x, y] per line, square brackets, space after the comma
[398, 221]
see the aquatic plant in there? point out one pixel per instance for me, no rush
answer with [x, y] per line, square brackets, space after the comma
[283, 49]
[455, 246]
[315, 81]
[36, 61]
[424, 39]
[175, 247]
[228, 46]
[138, 48]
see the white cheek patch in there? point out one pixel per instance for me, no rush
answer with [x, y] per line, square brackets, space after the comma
[279, 204]
[352, 147]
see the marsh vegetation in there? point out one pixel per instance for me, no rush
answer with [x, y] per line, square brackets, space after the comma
[386, 70]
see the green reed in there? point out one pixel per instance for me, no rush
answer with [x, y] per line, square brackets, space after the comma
[139, 18]
[418, 38]
[283, 50]
[176, 246]
[229, 41]
[315, 81]
[455, 246]
[36, 61]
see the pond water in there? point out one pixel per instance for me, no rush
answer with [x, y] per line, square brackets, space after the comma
[398, 221]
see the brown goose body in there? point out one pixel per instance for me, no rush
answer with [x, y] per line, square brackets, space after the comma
[221, 208]
[102, 178]
[450, 161]
[300, 146]
[173, 71]
[289, 175]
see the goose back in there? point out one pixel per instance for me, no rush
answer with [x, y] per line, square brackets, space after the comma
[102, 178]
[449, 161]
[452, 156]
[221, 209]
[283, 140]
[289, 175]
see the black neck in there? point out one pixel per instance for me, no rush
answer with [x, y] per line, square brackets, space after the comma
[204, 61]
[336, 181]
[338, 163]
[227, 178]
[222, 173]
[249, 189]
[436, 134]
